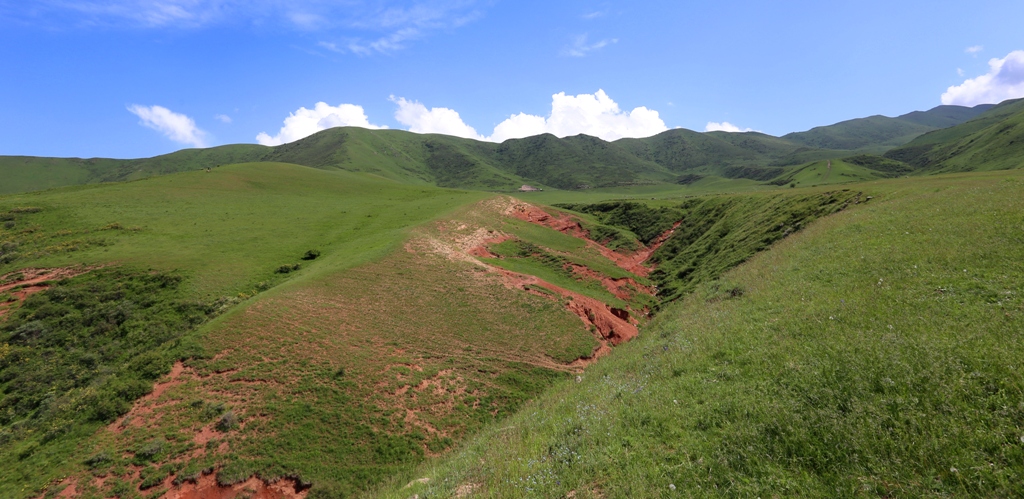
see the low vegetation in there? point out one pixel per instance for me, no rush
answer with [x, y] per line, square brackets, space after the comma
[873, 353]
[77, 355]
[352, 328]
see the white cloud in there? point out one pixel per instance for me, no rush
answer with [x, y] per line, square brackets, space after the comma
[419, 119]
[305, 122]
[580, 46]
[175, 126]
[960, 72]
[223, 118]
[973, 50]
[592, 114]
[725, 126]
[1005, 80]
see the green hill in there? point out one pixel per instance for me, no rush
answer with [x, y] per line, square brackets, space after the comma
[992, 141]
[879, 133]
[945, 116]
[873, 353]
[573, 163]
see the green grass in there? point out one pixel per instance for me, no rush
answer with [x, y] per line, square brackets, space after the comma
[228, 230]
[385, 352]
[347, 378]
[400, 351]
[76, 357]
[992, 141]
[875, 353]
[221, 236]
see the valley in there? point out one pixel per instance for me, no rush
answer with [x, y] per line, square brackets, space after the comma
[377, 313]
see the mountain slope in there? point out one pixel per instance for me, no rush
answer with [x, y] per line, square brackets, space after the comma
[878, 133]
[577, 162]
[992, 141]
[873, 354]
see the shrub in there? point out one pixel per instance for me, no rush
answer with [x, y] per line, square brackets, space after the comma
[98, 460]
[149, 451]
[228, 421]
[212, 410]
[311, 255]
[285, 269]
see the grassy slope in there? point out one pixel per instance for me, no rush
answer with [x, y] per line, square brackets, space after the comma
[820, 173]
[241, 221]
[322, 334]
[945, 116]
[875, 353]
[347, 378]
[872, 134]
[225, 232]
[992, 141]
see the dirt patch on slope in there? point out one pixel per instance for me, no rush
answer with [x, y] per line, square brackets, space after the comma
[624, 288]
[611, 324]
[254, 488]
[632, 262]
[26, 282]
[142, 410]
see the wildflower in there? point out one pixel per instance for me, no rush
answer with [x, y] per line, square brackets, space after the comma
[671, 486]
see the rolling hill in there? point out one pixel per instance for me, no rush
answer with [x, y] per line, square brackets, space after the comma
[992, 141]
[570, 163]
[354, 326]
[878, 133]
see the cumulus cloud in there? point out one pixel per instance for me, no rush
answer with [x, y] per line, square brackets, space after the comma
[592, 114]
[419, 119]
[1004, 80]
[973, 50]
[725, 126]
[223, 118]
[581, 46]
[305, 122]
[175, 126]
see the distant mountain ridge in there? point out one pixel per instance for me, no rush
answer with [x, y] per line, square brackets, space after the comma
[878, 133]
[576, 162]
[992, 141]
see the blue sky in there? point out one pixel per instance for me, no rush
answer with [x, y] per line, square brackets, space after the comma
[135, 78]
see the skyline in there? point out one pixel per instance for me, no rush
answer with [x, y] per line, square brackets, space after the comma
[136, 78]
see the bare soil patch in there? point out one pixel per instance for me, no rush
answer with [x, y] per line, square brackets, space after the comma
[26, 282]
[253, 488]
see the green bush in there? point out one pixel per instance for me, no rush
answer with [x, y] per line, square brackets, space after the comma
[227, 422]
[88, 347]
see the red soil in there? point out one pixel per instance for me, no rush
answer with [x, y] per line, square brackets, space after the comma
[632, 262]
[619, 287]
[253, 488]
[564, 223]
[481, 251]
[143, 408]
[611, 324]
[32, 282]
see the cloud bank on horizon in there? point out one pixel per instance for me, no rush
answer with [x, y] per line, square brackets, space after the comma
[725, 126]
[1004, 80]
[305, 122]
[591, 114]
